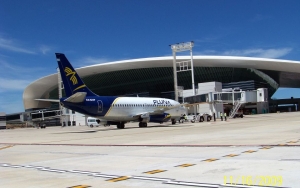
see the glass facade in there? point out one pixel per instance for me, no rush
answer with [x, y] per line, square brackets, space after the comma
[158, 81]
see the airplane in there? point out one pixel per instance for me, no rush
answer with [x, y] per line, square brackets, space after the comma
[114, 110]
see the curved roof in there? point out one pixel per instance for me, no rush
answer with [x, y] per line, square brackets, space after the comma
[286, 73]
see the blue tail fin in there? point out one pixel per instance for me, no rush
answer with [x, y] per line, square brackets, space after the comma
[72, 82]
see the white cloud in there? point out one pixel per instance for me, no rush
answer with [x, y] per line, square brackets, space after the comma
[14, 70]
[259, 17]
[11, 103]
[7, 84]
[90, 61]
[254, 52]
[265, 53]
[11, 45]
[45, 49]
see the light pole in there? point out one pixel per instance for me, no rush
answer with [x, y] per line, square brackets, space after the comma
[183, 65]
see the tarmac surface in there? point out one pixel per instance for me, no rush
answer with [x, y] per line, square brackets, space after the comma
[255, 151]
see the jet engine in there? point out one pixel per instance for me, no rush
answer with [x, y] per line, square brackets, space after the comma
[160, 118]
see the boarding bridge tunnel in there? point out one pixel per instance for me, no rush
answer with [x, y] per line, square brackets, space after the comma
[230, 101]
[42, 115]
[230, 97]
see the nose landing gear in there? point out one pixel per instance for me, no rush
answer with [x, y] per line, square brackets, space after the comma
[142, 124]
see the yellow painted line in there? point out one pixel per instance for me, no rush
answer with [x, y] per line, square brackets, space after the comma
[80, 87]
[249, 151]
[118, 179]
[282, 145]
[266, 147]
[290, 142]
[210, 160]
[112, 106]
[80, 186]
[154, 171]
[231, 155]
[6, 147]
[185, 165]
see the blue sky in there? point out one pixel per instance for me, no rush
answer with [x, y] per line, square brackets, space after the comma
[98, 31]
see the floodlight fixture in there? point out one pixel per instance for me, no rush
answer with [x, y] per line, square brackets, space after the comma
[183, 46]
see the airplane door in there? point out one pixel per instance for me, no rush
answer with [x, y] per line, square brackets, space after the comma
[100, 106]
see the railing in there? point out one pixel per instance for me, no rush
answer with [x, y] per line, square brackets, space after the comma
[236, 106]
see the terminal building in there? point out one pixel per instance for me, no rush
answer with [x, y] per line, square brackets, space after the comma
[153, 77]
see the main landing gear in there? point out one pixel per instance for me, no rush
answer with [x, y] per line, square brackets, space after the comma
[121, 125]
[173, 121]
[142, 124]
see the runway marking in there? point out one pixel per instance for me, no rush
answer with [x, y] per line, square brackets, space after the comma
[185, 165]
[119, 179]
[147, 178]
[250, 151]
[141, 145]
[231, 155]
[210, 160]
[6, 147]
[282, 145]
[80, 186]
[290, 142]
[266, 147]
[154, 171]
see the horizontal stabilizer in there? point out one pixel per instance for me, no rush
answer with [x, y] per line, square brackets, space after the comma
[77, 97]
[48, 100]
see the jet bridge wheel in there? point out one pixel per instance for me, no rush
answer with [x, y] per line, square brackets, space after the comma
[142, 124]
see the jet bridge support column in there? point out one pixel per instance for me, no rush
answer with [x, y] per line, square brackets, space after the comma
[60, 87]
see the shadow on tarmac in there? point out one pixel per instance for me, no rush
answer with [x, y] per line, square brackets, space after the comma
[114, 129]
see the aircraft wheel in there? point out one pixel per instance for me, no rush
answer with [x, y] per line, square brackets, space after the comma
[173, 121]
[122, 125]
[208, 118]
[142, 124]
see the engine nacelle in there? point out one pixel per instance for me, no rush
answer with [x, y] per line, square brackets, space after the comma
[144, 118]
[105, 122]
[160, 118]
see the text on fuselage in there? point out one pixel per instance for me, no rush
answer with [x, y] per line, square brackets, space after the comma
[161, 102]
[90, 99]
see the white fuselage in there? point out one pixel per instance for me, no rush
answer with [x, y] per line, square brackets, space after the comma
[128, 108]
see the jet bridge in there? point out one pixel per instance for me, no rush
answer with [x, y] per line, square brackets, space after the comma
[230, 101]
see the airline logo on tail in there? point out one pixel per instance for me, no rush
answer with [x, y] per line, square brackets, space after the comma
[72, 73]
